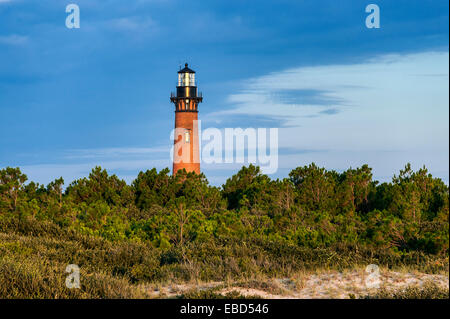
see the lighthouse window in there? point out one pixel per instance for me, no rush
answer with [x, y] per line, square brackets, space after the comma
[185, 79]
[187, 137]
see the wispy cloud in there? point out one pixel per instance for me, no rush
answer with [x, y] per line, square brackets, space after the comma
[388, 111]
[388, 95]
[13, 39]
[330, 111]
[71, 164]
[133, 23]
[114, 152]
[328, 90]
[126, 169]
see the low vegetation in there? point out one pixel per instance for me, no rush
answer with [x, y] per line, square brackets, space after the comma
[429, 291]
[165, 228]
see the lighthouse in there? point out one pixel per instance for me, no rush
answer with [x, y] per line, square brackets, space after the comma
[186, 142]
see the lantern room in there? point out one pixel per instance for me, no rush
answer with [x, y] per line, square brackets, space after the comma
[186, 77]
[187, 97]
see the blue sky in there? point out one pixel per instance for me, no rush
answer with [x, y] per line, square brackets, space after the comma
[341, 95]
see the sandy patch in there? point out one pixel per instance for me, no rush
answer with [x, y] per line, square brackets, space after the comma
[332, 284]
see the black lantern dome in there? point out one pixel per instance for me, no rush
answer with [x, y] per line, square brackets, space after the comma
[186, 69]
[186, 90]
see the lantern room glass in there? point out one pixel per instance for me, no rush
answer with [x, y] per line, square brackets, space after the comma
[186, 79]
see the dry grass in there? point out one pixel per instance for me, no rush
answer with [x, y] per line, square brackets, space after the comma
[32, 265]
[328, 284]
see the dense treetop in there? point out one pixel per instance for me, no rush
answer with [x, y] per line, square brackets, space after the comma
[313, 207]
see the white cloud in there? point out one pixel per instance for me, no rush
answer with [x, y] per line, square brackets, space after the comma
[125, 162]
[402, 99]
[45, 173]
[13, 39]
[114, 152]
[133, 23]
[391, 109]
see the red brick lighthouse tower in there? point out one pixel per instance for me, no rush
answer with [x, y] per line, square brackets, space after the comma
[186, 149]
